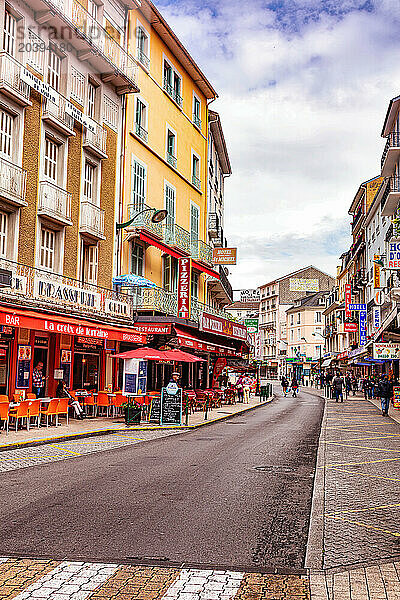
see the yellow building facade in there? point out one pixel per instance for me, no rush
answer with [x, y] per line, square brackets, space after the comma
[166, 159]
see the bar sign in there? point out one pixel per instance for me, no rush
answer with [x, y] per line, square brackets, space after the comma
[185, 269]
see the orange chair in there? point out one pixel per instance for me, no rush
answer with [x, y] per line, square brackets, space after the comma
[118, 401]
[62, 408]
[4, 408]
[18, 397]
[88, 401]
[30, 396]
[103, 401]
[34, 411]
[19, 413]
[4, 398]
[51, 411]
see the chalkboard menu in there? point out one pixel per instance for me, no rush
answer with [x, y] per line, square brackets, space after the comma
[171, 407]
[155, 409]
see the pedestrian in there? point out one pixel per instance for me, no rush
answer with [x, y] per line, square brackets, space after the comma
[246, 388]
[354, 384]
[239, 389]
[38, 380]
[294, 386]
[285, 385]
[385, 391]
[62, 392]
[366, 386]
[337, 387]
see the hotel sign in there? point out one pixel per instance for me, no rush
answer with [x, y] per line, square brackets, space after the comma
[224, 256]
[184, 282]
[393, 255]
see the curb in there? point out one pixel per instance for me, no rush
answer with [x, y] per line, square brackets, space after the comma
[315, 540]
[88, 434]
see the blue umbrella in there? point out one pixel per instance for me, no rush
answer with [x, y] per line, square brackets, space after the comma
[131, 280]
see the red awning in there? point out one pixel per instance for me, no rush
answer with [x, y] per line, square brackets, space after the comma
[143, 354]
[195, 265]
[30, 319]
[190, 341]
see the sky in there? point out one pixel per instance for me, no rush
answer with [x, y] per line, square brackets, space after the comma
[303, 90]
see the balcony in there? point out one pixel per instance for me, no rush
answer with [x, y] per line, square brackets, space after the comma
[90, 40]
[92, 220]
[197, 308]
[143, 58]
[196, 182]
[391, 154]
[177, 237]
[197, 121]
[391, 196]
[142, 133]
[172, 92]
[54, 203]
[213, 225]
[40, 289]
[96, 141]
[11, 83]
[356, 219]
[12, 183]
[143, 221]
[57, 116]
[172, 160]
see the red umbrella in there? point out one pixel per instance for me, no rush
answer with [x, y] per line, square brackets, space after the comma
[144, 353]
[180, 356]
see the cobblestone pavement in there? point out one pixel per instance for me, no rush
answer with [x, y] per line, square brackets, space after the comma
[33, 456]
[378, 582]
[22, 579]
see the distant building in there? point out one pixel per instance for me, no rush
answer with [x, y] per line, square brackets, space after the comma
[244, 310]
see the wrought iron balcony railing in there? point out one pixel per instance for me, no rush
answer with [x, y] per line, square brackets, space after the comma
[141, 132]
[393, 141]
[172, 92]
[172, 160]
[196, 182]
[143, 58]
[197, 120]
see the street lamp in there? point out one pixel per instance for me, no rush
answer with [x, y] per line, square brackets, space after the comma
[157, 217]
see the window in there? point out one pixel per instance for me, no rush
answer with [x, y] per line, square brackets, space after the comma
[93, 9]
[168, 78]
[50, 159]
[194, 286]
[171, 148]
[170, 200]
[194, 228]
[110, 113]
[77, 85]
[298, 334]
[90, 263]
[91, 100]
[170, 273]
[196, 111]
[298, 317]
[3, 233]
[89, 181]
[36, 53]
[318, 317]
[141, 119]
[292, 319]
[6, 127]
[139, 181]
[10, 28]
[137, 259]
[47, 244]
[54, 70]
[172, 83]
[143, 47]
[196, 171]
[291, 335]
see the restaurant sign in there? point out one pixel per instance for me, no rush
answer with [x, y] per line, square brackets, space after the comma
[184, 276]
[154, 328]
[386, 351]
[350, 327]
[220, 326]
[54, 290]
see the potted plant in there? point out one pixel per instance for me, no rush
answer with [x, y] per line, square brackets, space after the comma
[132, 413]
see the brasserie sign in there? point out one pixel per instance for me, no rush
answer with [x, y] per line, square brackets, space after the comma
[44, 288]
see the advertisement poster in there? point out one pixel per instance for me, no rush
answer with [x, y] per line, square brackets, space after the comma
[23, 367]
[396, 397]
[303, 285]
[65, 365]
[386, 351]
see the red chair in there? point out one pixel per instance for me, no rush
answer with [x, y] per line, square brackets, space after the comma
[201, 400]
[4, 408]
[34, 411]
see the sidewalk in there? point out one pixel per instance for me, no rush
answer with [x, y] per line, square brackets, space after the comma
[353, 550]
[103, 425]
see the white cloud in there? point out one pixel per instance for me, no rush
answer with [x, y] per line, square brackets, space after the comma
[303, 94]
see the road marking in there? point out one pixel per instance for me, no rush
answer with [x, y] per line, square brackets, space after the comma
[371, 508]
[380, 437]
[368, 475]
[64, 449]
[365, 447]
[198, 584]
[366, 462]
[360, 524]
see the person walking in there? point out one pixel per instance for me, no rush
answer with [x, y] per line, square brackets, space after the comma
[384, 392]
[285, 385]
[295, 387]
[337, 386]
[239, 389]
[246, 388]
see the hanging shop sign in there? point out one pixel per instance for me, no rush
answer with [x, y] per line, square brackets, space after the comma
[377, 273]
[386, 351]
[303, 285]
[347, 300]
[41, 87]
[376, 317]
[154, 328]
[252, 325]
[356, 307]
[251, 295]
[80, 117]
[224, 256]
[363, 327]
[350, 327]
[396, 397]
[218, 325]
[379, 298]
[343, 355]
[184, 284]
[393, 255]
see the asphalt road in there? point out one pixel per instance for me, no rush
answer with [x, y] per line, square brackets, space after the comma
[235, 493]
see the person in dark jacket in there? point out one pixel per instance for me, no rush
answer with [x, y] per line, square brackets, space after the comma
[385, 392]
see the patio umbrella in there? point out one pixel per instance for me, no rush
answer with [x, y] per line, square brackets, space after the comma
[181, 356]
[144, 354]
[131, 280]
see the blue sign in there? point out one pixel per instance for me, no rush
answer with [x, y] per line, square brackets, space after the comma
[363, 327]
[362, 307]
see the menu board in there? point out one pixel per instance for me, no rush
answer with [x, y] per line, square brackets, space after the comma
[130, 383]
[396, 397]
[23, 367]
[155, 409]
[171, 407]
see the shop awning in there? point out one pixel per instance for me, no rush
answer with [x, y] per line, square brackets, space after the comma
[30, 319]
[190, 341]
[195, 265]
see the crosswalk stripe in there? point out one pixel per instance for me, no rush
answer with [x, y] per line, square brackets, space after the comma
[199, 584]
